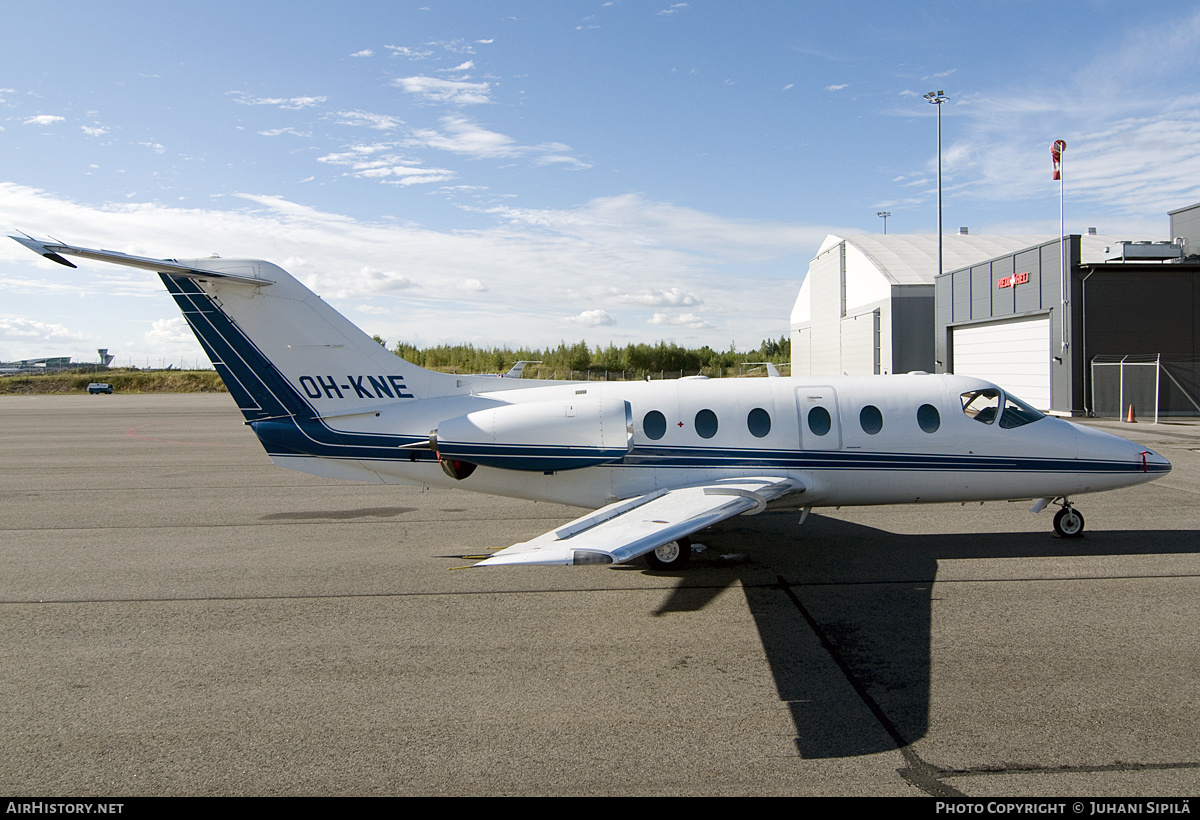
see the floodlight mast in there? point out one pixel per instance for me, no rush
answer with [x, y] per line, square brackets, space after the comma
[937, 98]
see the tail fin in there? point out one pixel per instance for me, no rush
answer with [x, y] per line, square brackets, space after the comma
[280, 350]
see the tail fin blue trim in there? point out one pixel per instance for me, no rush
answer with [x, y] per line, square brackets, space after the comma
[260, 391]
[285, 423]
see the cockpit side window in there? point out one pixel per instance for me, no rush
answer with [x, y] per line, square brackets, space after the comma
[981, 405]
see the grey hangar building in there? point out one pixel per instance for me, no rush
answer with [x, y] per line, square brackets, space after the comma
[1123, 329]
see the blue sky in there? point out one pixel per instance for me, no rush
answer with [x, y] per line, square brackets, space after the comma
[528, 172]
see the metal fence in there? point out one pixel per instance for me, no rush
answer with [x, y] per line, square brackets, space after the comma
[1148, 385]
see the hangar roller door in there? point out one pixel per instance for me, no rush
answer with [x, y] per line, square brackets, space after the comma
[1014, 354]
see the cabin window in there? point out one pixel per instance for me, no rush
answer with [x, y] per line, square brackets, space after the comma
[706, 423]
[928, 418]
[870, 419]
[758, 422]
[654, 424]
[819, 421]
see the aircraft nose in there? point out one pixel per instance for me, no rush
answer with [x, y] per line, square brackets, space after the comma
[1135, 461]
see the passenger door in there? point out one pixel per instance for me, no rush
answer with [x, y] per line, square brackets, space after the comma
[819, 420]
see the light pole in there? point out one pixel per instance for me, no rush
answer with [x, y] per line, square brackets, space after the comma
[937, 98]
[885, 215]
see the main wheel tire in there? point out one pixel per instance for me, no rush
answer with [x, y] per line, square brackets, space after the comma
[1068, 523]
[672, 556]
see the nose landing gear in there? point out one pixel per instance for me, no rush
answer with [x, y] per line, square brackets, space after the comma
[1068, 522]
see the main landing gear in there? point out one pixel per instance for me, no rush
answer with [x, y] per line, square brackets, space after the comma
[671, 556]
[1068, 523]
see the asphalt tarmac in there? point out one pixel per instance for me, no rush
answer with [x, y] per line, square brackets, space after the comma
[180, 617]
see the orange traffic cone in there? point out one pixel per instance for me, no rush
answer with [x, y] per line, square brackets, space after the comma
[1130, 417]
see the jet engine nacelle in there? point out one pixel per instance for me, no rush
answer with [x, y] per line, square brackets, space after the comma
[544, 436]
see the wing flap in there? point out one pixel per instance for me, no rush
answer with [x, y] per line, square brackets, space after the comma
[626, 529]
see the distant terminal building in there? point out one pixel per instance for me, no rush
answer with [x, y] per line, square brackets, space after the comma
[866, 305]
[51, 364]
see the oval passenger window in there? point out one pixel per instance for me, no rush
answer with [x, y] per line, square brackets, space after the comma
[819, 421]
[871, 419]
[758, 422]
[928, 418]
[655, 425]
[706, 423]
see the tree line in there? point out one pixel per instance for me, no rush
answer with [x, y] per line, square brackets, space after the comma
[637, 361]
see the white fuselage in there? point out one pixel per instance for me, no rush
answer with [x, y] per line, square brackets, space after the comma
[873, 450]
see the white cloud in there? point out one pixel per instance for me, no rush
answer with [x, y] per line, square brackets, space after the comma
[836, 87]
[380, 163]
[373, 310]
[457, 46]
[690, 320]
[44, 119]
[366, 52]
[409, 53]
[164, 332]
[356, 154]
[275, 132]
[460, 135]
[291, 103]
[675, 297]
[153, 146]
[674, 8]
[98, 131]
[434, 89]
[369, 279]
[380, 122]
[649, 224]
[473, 285]
[592, 318]
[19, 327]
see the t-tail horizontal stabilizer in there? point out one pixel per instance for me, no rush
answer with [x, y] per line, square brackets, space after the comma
[53, 251]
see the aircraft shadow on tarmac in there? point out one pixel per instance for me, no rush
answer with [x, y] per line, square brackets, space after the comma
[862, 597]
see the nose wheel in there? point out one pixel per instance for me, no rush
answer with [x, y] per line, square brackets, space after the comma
[1068, 523]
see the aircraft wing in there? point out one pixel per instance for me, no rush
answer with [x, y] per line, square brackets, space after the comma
[626, 529]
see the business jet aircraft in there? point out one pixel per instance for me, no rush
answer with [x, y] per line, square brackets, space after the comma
[656, 461]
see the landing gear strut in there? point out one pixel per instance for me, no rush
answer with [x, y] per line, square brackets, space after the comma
[1068, 523]
[672, 556]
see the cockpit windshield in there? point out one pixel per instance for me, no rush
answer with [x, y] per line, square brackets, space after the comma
[984, 406]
